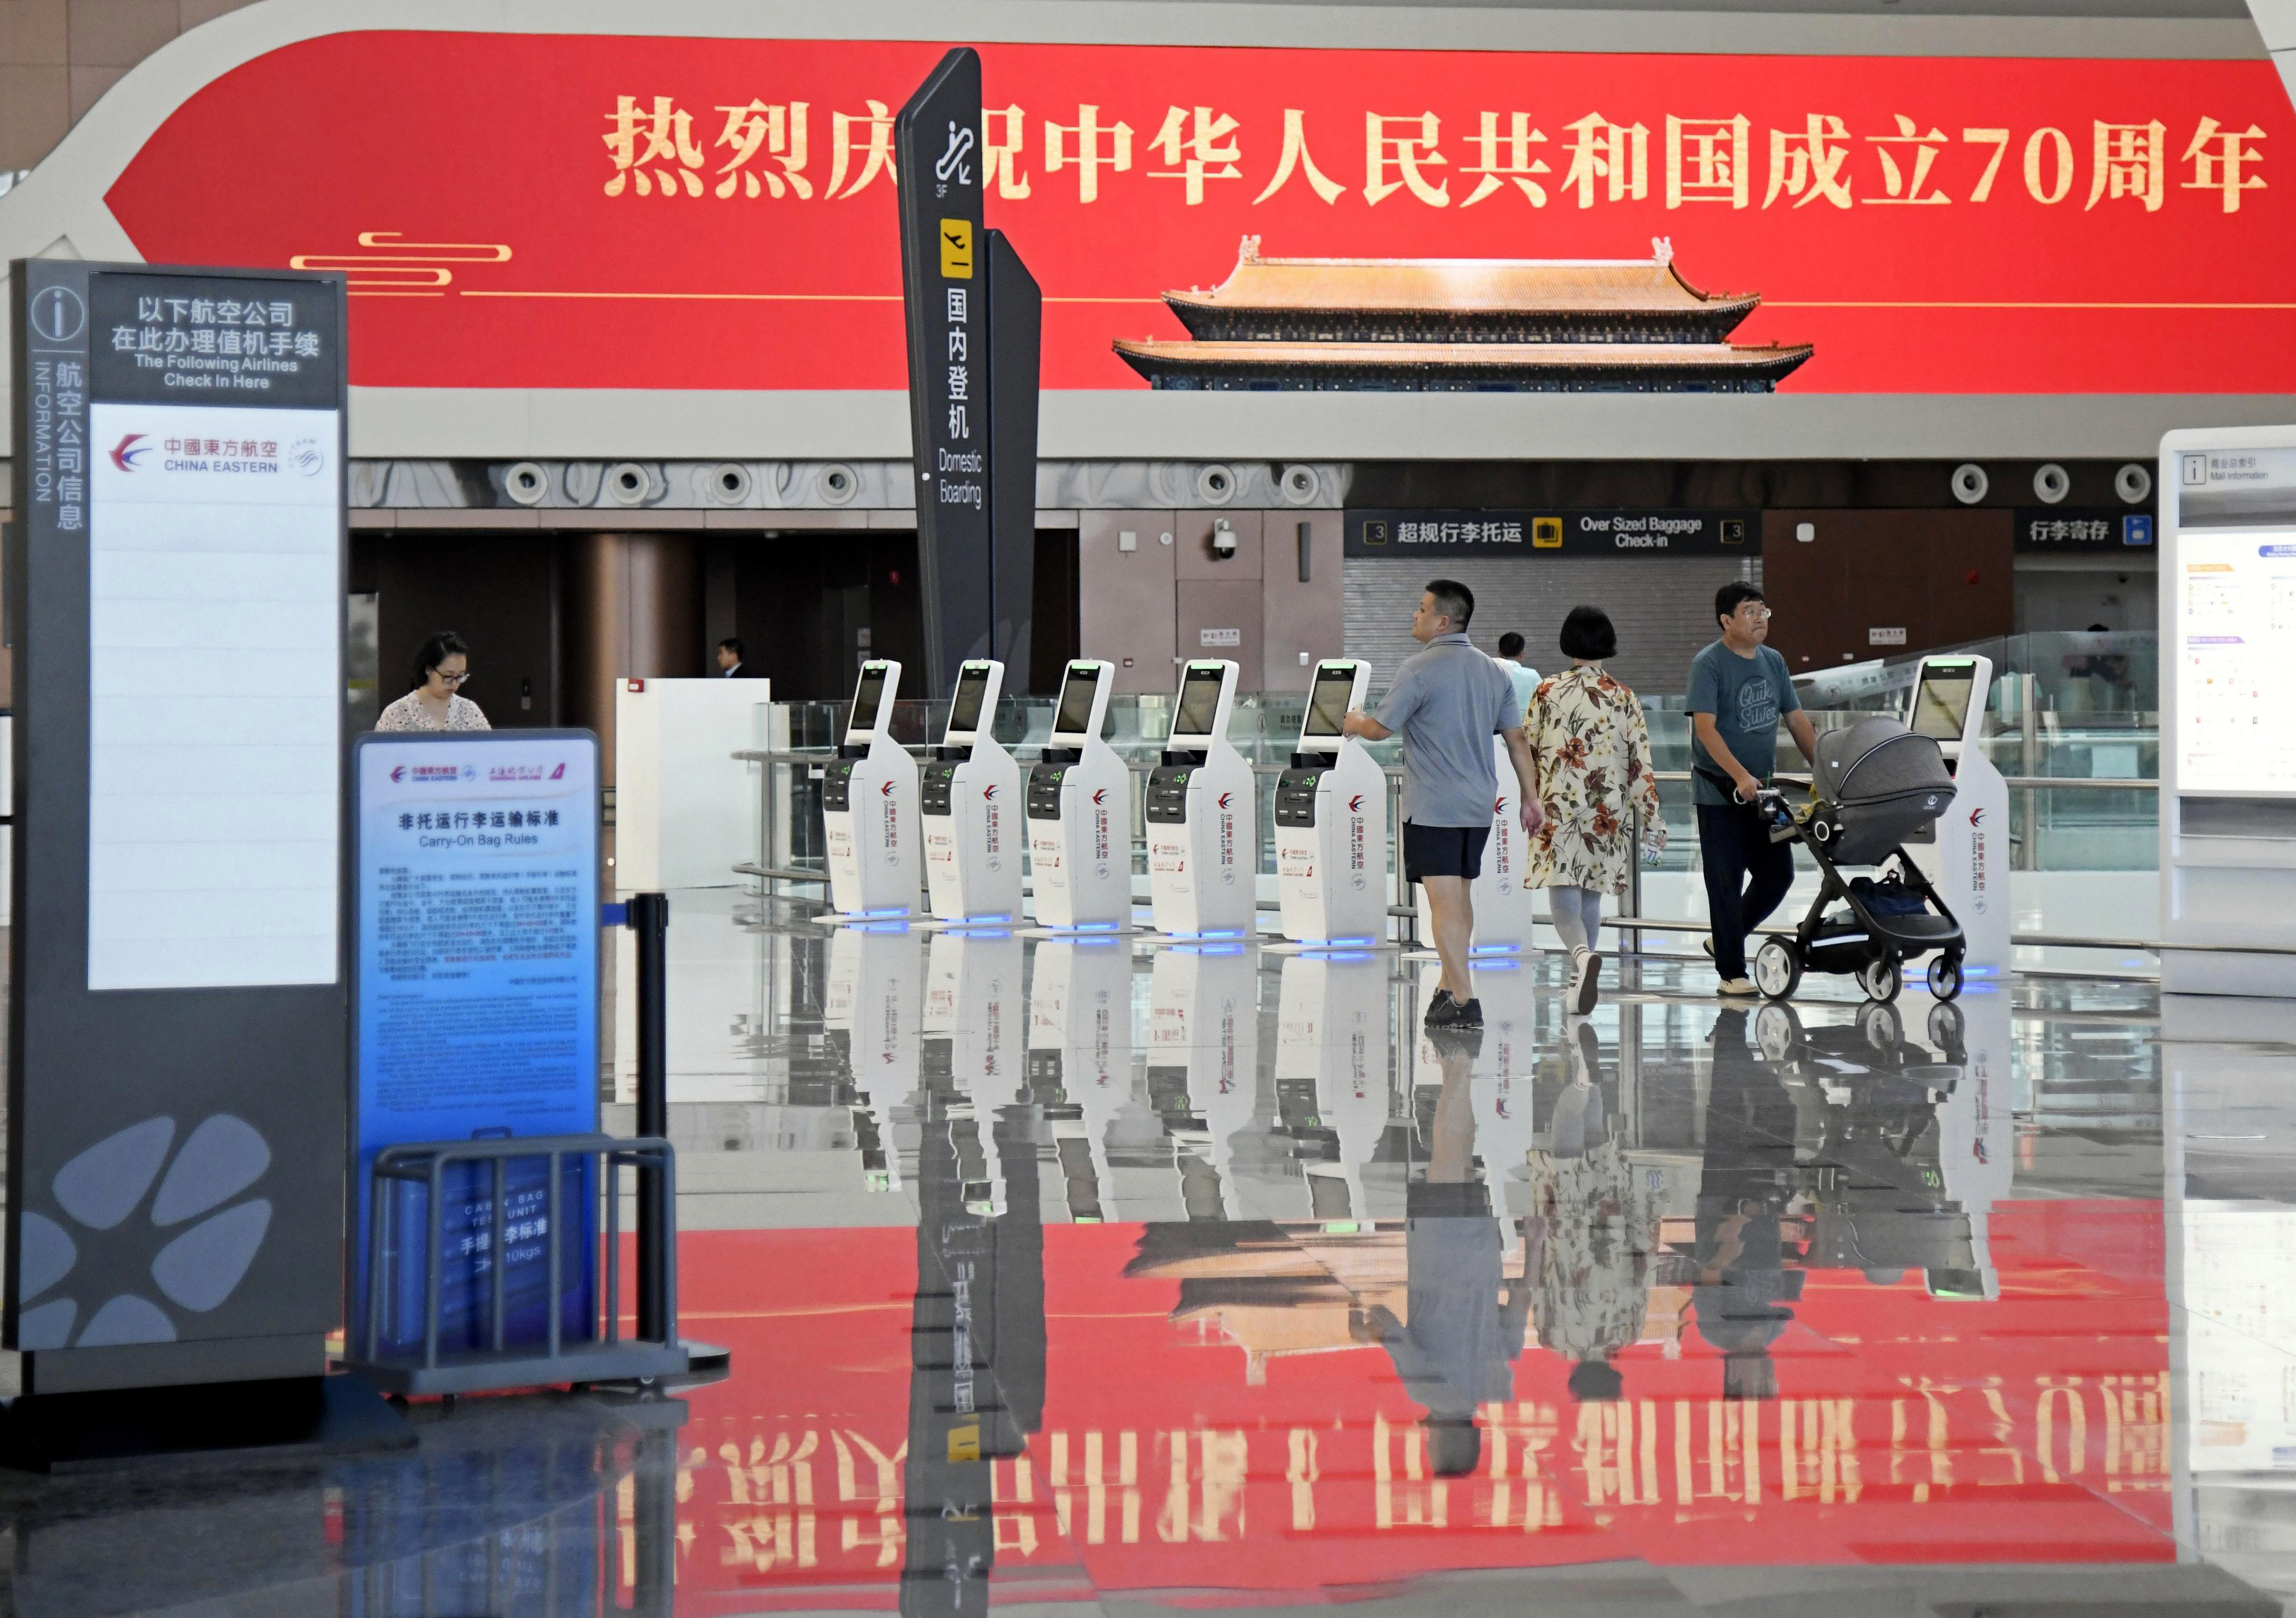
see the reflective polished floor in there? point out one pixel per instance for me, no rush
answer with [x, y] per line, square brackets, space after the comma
[1066, 1275]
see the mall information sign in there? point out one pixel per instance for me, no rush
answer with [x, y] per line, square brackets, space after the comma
[974, 342]
[2228, 712]
[1623, 534]
[176, 1006]
[475, 1008]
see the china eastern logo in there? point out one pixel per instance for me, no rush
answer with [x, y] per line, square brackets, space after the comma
[129, 453]
[988, 793]
[433, 773]
[1100, 796]
[1355, 804]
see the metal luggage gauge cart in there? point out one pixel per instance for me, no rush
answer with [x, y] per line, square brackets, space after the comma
[602, 1355]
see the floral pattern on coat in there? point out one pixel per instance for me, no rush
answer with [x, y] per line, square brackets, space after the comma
[1592, 747]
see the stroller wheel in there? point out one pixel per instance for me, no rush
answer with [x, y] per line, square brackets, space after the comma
[1945, 977]
[1777, 968]
[1945, 1028]
[1880, 979]
[1879, 1023]
[1777, 1030]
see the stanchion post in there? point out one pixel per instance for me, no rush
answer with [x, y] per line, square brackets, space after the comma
[649, 918]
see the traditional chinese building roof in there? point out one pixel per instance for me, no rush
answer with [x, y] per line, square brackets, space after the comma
[1567, 367]
[1458, 301]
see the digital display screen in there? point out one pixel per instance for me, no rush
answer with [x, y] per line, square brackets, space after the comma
[2234, 713]
[1942, 701]
[1199, 703]
[867, 697]
[965, 710]
[1327, 704]
[1077, 692]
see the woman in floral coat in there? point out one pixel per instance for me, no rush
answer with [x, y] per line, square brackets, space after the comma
[1592, 749]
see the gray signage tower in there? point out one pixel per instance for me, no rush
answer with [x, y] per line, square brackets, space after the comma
[974, 338]
[177, 1011]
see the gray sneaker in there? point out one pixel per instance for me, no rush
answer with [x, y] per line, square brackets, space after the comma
[1738, 986]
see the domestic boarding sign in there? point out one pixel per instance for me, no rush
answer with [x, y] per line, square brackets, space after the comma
[475, 1006]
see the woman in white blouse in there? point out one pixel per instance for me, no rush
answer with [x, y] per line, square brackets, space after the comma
[436, 703]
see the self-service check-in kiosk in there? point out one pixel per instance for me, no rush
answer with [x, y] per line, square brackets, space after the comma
[869, 805]
[1505, 909]
[1331, 821]
[1203, 841]
[1969, 859]
[1080, 812]
[971, 789]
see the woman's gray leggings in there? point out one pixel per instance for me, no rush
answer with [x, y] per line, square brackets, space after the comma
[1577, 914]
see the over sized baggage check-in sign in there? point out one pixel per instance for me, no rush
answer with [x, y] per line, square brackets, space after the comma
[576, 211]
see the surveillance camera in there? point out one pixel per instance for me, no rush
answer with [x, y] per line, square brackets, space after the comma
[1223, 540]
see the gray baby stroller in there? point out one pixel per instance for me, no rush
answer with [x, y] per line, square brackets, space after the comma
[1877, 784]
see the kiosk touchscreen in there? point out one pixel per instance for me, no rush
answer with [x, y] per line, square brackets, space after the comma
[1203, 841]
[1079, 812]
[1969, 859]
[1331, 821]
[1505, 909]
[972, 786]
[869, 806]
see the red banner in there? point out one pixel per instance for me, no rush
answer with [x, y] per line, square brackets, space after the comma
[2034, 1427]
[521, 210]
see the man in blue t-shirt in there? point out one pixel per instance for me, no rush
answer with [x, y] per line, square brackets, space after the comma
[1738, 690]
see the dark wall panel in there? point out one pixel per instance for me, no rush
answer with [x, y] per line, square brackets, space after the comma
[1943, 576]
[497, 591]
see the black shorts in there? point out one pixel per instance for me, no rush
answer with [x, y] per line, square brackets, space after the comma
[1443, 850]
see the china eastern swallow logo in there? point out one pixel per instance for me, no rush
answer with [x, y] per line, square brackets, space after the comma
[1226, 799]
[1977, 816]
[1100, 796]
[886, 790]
[988, 793]
[398, 772]
[1498, 806]
[1355, 804]
[129, 453]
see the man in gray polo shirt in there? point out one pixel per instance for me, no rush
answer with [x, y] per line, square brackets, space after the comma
[1447, 703]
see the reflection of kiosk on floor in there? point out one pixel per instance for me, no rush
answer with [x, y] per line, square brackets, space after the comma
[1505, 1074]
[870, 1010]
[1203, 1058]
[972, 787]
[1080, 812]
[1331, 821]
[869, 805]
[1204, 842]
[1968, 861]
[1331, 1070]
[1080, 1052]
[1503, 908]
[974, 1034]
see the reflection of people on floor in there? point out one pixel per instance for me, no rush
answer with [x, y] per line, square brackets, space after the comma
[1593, 1233]
[1743, 1290]
[1455, 1351]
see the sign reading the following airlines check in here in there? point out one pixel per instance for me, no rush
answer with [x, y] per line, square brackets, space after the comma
[215, 693]
[475, 992]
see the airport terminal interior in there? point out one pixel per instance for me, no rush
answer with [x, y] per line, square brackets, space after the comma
[734, 880]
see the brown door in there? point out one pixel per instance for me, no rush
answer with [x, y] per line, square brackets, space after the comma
[1867, 583]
